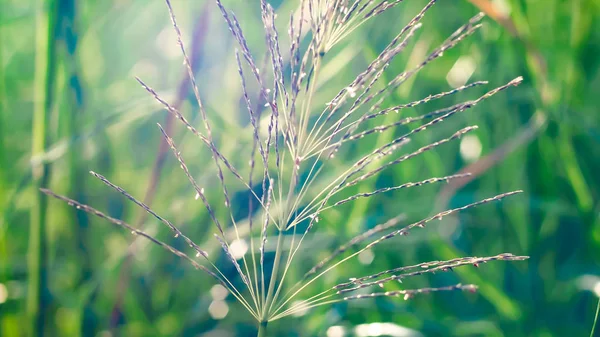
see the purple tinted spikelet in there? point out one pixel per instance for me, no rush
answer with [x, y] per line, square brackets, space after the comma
[294, 138]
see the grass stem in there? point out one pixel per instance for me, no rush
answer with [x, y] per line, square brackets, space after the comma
[273, 279]
[46, 26]
[595, 319]
[262, 329]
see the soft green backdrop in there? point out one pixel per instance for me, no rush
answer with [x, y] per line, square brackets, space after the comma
[69, 104]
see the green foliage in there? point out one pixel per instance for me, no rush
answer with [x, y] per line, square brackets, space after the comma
[543, 138]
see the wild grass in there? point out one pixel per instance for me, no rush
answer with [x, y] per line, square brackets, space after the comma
[45, 73]
[595, 319]
[294, 141]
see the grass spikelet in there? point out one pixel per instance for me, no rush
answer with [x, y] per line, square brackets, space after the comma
[297, 144]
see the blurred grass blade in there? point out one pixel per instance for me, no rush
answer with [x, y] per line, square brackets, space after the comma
[198, 39]
[595, 319]
[46, 27]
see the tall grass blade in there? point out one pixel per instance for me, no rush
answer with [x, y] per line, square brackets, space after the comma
[45, 72]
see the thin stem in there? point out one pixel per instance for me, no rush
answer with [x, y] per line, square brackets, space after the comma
[400, 232]
[273, 278]
[46, 27]
[595, 319]
[305, 117]
[221, 278]
[314, 299]
[262, 329]
[287, 266]
[215, 153]
[307, 307]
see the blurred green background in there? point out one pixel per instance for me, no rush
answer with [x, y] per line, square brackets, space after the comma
[69, 104]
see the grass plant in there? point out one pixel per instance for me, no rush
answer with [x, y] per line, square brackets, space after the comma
[290, 176]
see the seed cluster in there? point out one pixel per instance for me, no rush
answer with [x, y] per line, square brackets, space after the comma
[295, 139]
